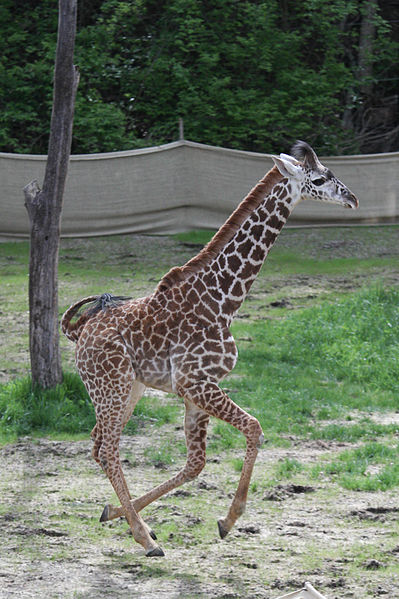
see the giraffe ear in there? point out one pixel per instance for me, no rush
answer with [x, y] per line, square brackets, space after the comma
[288, 166]
[305, 154]
[290, 159]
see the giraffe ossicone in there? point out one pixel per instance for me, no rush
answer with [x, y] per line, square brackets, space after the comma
[178, 338]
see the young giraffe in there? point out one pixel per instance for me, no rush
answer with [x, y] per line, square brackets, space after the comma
[178, 338]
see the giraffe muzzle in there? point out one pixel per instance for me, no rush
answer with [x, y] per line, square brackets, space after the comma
[351, 201]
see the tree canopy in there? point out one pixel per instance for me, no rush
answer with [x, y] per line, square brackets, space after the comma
[245, 74]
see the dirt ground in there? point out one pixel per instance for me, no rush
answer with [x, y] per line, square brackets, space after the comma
[52, 544]
[52, 493]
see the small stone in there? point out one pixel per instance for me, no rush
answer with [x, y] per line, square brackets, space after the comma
[381, 591]
[373, 564]
[252, 529]
[207, 486]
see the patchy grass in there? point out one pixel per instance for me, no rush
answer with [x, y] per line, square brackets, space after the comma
[317, 366]
[371, 467]
[298, 374]
[65, 410]
[287, 468]
[25, 409]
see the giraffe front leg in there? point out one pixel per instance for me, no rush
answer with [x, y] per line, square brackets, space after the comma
[209, 397]
[237, 507]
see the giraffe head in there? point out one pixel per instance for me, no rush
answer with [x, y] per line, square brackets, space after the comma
[311, 180]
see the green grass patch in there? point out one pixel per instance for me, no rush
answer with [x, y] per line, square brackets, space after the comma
[287, 468]
[14, 252]
[291, 262]
[151, 409]
[224, 436]
[372, 467]
[365, 430]
[298, 374]
[237, 464]
[65, 410]
[25, 409]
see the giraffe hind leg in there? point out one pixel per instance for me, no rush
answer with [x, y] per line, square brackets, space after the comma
[203, 400]
[195, 428]
[109, 456]
[136, 393]
[111, 394]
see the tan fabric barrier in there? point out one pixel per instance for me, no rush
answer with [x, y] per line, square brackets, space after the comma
[182, 186]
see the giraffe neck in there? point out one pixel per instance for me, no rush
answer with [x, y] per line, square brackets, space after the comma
[216, 281]
[229, 276]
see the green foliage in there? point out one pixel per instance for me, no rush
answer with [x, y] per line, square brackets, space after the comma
[247, 74]
[355, 339]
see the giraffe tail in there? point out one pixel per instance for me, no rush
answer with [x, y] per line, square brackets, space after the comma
[72, 330]
[101, 302]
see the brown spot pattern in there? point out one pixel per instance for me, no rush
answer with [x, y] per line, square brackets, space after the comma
[178, 339]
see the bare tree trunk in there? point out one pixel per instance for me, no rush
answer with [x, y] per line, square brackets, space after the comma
[366, 41]
[364, 68]
[44, 208]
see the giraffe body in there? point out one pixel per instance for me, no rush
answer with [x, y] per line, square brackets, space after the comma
[178, 339]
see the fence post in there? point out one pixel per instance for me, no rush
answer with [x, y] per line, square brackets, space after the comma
[181, 129]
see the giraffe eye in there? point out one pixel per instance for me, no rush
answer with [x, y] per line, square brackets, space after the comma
[319, 181]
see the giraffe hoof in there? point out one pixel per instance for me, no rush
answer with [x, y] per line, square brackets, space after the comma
[222, 531]
[105, 515]
[156, 552]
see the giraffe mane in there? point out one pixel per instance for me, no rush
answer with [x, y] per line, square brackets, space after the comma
[179, 273]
